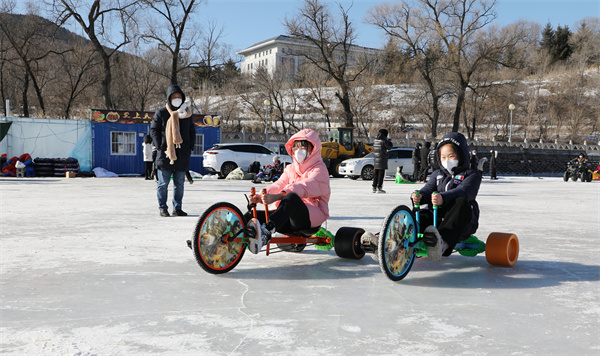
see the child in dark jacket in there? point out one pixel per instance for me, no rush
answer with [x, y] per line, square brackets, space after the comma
[457, 186]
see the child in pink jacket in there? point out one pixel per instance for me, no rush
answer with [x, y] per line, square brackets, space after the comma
[301, 193]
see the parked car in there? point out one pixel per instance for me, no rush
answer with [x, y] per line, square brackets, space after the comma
[225, 157]
[363, 167]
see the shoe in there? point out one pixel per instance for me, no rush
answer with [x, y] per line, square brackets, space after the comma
[254, 236]
[380, 191]
[189, 244]
[374, 190]
[266, 230]
[164, 213]
[369, 244]
[179, 212]
[433, 241]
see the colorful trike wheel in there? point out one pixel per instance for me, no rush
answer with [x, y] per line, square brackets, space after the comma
[502, 249]
[218, 242]
[396, 251]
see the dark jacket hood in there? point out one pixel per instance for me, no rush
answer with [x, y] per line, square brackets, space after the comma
[459, 142]
[170, 91]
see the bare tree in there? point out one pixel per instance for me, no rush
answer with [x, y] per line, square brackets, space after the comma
[404, 21]
[167, 27]
[333, 41]
[79, 75]
[317, 82]
[29, 36]
[212, 51]
[97, 22]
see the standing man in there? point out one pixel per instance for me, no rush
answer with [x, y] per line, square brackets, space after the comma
[380, 164]
[416, 160]
[174, 137]
[493, 158]
[424, 162]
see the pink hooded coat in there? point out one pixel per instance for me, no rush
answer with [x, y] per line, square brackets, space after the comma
[309, 179]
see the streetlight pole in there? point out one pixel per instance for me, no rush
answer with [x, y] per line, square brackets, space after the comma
[267, 104]
[511, 107]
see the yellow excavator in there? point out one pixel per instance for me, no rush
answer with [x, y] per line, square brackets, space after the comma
[341, 146]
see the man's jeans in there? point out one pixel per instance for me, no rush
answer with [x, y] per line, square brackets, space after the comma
[162, 189]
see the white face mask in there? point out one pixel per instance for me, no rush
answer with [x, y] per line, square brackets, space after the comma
[450, 164]
[301, 155]
[176, 102]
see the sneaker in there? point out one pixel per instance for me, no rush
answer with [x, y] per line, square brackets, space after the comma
[434, 242]
[254, 236]
[179, 212]
[267, 230]
[189, 244]
[374, 190]
[164, 213]
[380, 191]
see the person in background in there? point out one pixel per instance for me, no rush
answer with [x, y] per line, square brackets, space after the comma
[473, 159]
[493, 163]
[174, 137]
[380, 147]
[432, 158]
[416, 160]
[424, 162]
[148, 161]
[453, 188]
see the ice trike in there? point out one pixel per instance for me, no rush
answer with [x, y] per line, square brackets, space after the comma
[222, 235]
[400, 243]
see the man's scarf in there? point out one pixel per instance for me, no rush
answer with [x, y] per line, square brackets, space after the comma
[173, 134]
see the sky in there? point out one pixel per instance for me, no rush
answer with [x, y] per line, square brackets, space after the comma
[254, 21]
[247, 22]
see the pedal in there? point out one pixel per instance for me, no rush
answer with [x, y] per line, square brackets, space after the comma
[368, 242]
[431, 236]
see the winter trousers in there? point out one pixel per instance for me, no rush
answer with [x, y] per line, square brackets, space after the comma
[378, 175]
[290, 216]
[149, 169]
[454, 222]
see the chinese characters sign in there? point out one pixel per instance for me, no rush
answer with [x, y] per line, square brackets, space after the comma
[145, 117]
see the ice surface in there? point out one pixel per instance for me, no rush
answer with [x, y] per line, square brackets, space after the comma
[88, 267]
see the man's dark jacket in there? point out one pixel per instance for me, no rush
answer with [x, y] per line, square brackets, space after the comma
[188, 135]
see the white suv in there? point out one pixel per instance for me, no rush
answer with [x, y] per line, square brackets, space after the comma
[225, 157]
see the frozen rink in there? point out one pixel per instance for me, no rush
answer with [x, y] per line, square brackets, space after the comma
[89, 268]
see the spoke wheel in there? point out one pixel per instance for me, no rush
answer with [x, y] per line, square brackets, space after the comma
[398, 233]
[217, 223]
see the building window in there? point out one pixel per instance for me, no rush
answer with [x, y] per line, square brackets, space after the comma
[266, 61]
[198, 146]
[122, 143]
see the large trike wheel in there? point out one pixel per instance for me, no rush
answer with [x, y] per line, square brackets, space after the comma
[502, 249]
[213, 244]
[396, 251]
[347, 243]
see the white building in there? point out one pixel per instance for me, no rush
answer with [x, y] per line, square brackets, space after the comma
[285, 52]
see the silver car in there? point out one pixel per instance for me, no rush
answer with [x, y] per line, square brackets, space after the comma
[363, 167]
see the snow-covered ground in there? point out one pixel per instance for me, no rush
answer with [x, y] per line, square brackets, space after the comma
[89, 268]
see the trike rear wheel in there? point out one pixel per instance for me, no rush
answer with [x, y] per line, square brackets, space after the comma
[396, 249]
[347, 243]
[502, 249]
[213, 244]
